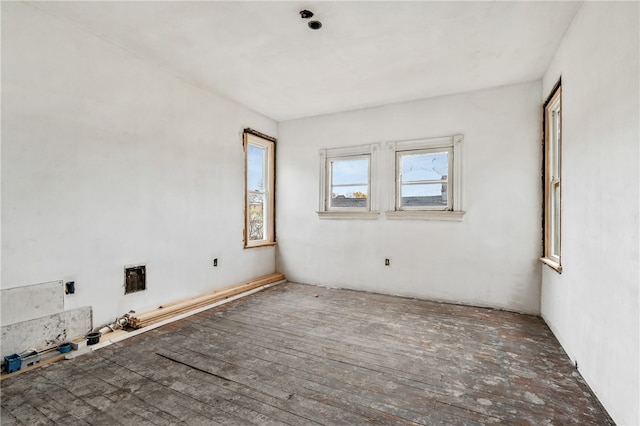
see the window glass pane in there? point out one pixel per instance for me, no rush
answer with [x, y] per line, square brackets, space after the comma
[256, 215]
[259, 195]
[350, 171]
[555, 144]
[552, 178]
[255, 168]
[349, 196]
[555, 217]
[255, 191]
[424, 167]
[424, 195]
[349, 183]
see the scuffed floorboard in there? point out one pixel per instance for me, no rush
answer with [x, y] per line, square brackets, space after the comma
[304, 355]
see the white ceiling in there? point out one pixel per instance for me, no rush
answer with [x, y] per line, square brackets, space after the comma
[263, 55]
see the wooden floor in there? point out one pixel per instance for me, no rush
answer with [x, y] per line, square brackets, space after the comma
[297, 355]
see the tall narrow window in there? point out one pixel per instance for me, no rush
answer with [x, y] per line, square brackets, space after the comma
[259, 189]
[552, 178]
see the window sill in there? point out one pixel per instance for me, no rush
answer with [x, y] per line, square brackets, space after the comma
[348, 215]
[267, 244]
[445, 215]
[552, 264]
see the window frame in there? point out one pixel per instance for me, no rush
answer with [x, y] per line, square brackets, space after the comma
[330, 185]
[327, 157]
[454, 209]
[552, 179]
[268, 143]
[400, 182]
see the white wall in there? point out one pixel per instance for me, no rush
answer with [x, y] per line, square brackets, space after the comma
[592, 307]
[107, 161]
[490, 258]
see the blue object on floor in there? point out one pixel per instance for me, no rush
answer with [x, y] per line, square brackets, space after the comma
[64, 348]
[12, 363]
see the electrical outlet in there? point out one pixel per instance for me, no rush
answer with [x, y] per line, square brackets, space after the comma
[215, 262]
[387, 261]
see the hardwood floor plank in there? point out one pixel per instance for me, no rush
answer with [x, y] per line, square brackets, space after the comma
[29, 415]
[8, 419]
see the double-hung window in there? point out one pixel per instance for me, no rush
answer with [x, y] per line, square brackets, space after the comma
[423, 179]
[347, 190]
[349, 186]
[427, 180]
[552, 178]
[259, 229]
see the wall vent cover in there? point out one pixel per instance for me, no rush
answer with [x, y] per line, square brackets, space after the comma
[135, 279]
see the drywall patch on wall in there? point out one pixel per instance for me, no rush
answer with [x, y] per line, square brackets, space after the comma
[46, 332]
[33, 301]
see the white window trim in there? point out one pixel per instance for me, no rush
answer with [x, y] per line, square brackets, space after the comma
[456, 213]
[552, 142]
[398, 193]
[335, 214]
[551, 263]
[265, 142]
[326, 155]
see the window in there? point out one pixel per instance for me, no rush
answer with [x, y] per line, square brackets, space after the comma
[552, 179]
[349, 183]
[423, 179]
[346, 185]
[428, 179]
[259, 229]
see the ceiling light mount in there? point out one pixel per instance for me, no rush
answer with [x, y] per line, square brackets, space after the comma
[306, 14]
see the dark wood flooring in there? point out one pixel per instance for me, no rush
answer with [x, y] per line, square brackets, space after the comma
[302, 355]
